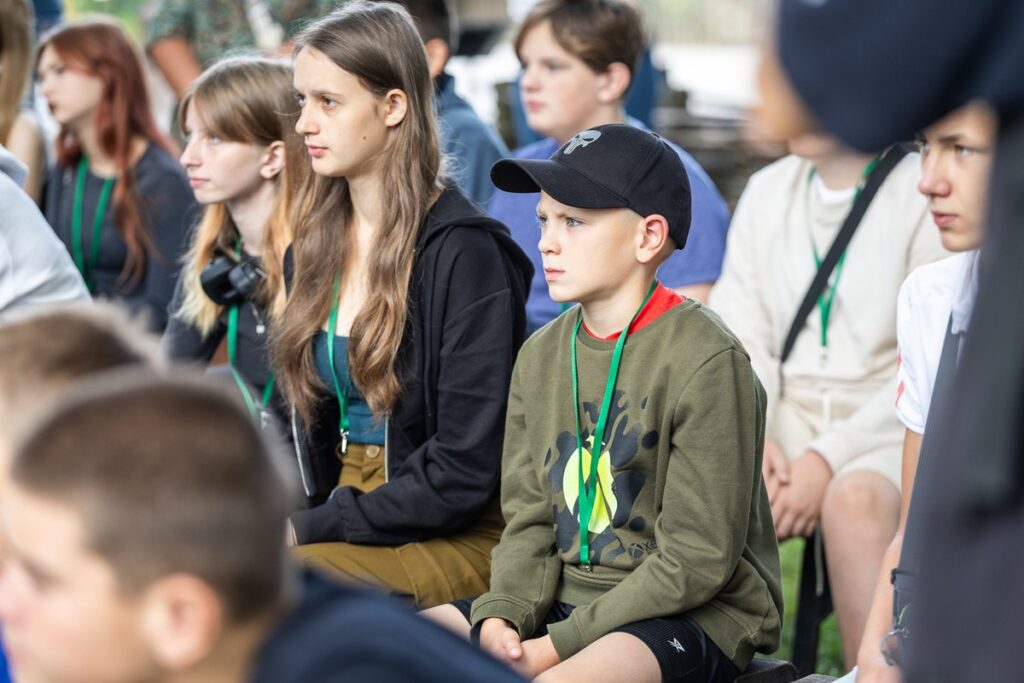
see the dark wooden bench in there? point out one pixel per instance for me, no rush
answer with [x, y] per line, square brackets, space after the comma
[763, 670]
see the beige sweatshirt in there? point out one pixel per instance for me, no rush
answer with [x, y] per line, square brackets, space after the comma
[769, 264]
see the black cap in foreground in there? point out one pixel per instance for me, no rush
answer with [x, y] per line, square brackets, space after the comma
[608, 167]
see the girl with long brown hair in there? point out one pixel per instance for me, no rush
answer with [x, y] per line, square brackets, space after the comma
[116, 197]
[404, 316]
[245, 163]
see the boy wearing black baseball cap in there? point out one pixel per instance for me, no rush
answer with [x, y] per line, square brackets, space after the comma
[652, 557]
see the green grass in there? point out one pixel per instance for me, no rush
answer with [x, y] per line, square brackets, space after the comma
[830, 648]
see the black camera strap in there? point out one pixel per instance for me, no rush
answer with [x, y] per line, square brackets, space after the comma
[886, 163]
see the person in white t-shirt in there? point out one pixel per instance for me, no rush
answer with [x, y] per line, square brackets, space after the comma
[36, 271]
[956, 156]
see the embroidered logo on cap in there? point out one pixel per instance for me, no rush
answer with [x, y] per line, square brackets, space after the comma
[581, 140]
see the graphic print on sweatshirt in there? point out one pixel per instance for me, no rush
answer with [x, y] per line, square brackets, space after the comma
[612, 522]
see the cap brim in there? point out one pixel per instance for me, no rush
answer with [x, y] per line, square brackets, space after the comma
[565, 184]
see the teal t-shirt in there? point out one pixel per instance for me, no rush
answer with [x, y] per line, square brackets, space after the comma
[363, 427]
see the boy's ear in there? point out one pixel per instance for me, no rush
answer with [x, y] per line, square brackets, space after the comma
[396, 106]
[438, 54]
[615, 83]
[182, 621]
[273, 160]
[652, 239]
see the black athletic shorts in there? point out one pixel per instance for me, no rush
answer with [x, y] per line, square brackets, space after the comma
[684, 652]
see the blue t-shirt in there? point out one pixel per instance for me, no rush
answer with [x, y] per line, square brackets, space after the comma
[363, 428]
[470, 144]
[700, 261]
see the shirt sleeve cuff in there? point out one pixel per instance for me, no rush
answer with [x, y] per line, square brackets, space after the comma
[566, 638]
[506, 607]
[317, 525]
[835, 448]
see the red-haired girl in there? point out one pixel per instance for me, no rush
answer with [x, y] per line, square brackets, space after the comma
[116, 197]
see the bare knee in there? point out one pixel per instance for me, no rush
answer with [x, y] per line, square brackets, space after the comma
[860, 498]
[449, 617]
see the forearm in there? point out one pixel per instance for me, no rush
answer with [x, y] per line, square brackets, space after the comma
[879, 621]
[177, 62]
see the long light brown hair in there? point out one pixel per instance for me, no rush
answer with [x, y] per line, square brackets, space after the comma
[101, 48]
[16, 22]
[248, 100]
[378, 43]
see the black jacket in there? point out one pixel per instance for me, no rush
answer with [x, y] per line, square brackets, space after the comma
[347, 635]
[443, 439]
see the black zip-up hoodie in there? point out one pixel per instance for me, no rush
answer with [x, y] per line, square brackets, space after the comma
[443, 438]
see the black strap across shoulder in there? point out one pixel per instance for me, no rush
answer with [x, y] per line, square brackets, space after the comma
[890, 158]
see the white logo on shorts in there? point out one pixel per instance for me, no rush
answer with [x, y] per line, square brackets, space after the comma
[581, 140]
[677, 645]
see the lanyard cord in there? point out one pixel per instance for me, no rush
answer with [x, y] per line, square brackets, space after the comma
[588, 495]
[827, 297]
[332, 323]
[257, 411]
[86, 268]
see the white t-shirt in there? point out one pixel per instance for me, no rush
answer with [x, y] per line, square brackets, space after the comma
[928, 298]
[36, 270]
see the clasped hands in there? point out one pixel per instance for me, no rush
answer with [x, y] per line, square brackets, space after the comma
[796, 489]
[529, 657]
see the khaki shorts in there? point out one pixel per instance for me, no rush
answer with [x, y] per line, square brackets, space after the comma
[427, 573]
[798, 422]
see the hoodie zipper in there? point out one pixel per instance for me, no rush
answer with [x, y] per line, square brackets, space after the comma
[307, 485]
[387, 431]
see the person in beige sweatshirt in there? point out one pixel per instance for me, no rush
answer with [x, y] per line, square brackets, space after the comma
[833, 439]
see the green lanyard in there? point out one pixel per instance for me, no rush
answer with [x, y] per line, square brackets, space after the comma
[588, 495]
[332, 323]
[260, 411]
[827, 297]
[87, 268]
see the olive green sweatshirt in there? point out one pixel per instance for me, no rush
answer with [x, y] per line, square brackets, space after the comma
[682, 522]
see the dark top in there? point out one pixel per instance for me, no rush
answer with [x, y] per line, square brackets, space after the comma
[363, 427]
[466, 322]
[347, 635]
[182, 341]
[168, 209]
[874, 82]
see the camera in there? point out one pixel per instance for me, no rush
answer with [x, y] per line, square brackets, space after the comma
[229, 282]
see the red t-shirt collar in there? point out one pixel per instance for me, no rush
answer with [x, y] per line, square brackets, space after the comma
[662, 300]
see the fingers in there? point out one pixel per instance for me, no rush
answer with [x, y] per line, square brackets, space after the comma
[511, 644]
[784, 524]
[781, 466]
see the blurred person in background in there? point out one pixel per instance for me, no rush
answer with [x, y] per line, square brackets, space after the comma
[470, 146]
[578, 59]
[878, 83]
[186, 36]
[246, 165]
[832, 445]
[116, 196]
[36, 270]
[20, 131]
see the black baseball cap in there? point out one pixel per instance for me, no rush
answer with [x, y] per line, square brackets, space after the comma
[608, 167]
